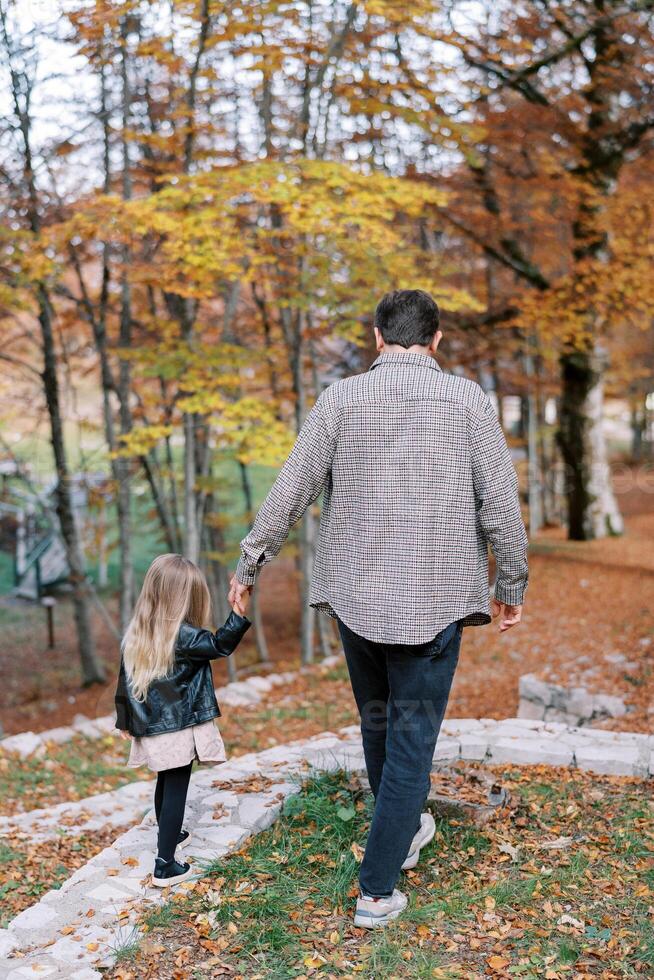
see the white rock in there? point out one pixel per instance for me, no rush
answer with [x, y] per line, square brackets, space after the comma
[35, 917]
[534, 710]
[207, 819]
[37, 967]
[223, 836]
[106, 724]
[319, 743]
[473, 747]
[58, 735]
[86, 974]
[239, 690]
[262, 684]
[618, 760]
[131, 883]
[67, 949]
[259, 811]
[532, 688]
[458, 726]
[107, 892]
[88, 728]
[225, 797]
[609, 704]
[522, 724]
[23, 745]
[137, 871]
[446, 750]
[516, 728]
[235, 700]
[280, 753]
[8, 942]
[528, 752]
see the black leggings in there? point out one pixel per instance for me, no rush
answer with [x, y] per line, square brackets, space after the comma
[169, 803]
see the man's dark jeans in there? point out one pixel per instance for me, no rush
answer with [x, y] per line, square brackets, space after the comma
[401, 692]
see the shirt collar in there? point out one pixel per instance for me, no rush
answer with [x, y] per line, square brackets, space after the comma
[410, 357]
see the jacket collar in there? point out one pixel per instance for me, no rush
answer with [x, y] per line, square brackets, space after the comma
[410, 357]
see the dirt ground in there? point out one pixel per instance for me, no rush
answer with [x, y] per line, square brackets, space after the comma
[586, 603]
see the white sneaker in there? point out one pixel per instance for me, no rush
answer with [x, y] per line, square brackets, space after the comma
[421, 839]
[373, 912]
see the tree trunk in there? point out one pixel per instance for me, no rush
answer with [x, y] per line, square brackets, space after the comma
[122, 467]
[592, 508]
[217, 575]
[92, 670]
[534, 476]
[325, 636]
[257, 621]
[191, 536]
[161, 504]
[218, 582]
[638, 428]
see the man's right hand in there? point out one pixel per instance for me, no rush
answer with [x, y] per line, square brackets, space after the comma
[239, 595]
[509, 615]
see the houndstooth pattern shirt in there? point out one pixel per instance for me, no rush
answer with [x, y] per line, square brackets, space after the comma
[417, 482]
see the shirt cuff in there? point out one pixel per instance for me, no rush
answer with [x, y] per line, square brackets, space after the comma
[511, 595]
[245, 572]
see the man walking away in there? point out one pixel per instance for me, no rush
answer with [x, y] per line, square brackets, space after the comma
[417, 482]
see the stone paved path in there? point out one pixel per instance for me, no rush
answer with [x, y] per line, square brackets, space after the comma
[77, 928]
[73, 931]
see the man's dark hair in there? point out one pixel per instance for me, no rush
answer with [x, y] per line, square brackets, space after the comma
[407, 317]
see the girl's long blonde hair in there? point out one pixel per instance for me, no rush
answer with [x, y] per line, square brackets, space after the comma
[174, 591]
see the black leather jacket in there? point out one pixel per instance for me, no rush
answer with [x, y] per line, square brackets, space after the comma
[186, 696]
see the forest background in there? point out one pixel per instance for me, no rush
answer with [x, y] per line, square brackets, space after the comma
[202, 202]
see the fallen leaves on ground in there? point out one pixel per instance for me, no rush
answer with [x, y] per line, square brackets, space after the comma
[282, 906]
[28, 870]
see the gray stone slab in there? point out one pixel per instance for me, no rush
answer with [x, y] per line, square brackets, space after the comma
[473, 746]
[447, 749]
[530, 752]
[228, 836]
[23, 745]
[619, 760]
[35, 917]
[58, 735]
[41, 967]
[109, 891]
[258, 811]
[8, 942]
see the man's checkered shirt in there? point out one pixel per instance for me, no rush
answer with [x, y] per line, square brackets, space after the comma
[417, 482]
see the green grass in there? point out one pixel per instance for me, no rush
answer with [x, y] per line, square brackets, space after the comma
[127, 947]
[84, 766]
[160, 917]
[282, 906]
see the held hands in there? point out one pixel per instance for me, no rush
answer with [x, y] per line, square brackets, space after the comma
[509, 615]
[239, 596]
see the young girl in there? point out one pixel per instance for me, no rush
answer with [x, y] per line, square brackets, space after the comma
[165, 697]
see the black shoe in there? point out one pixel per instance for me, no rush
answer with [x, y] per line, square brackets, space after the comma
[184, 838]
[169, 872]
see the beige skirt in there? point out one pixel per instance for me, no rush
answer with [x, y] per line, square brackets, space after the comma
[173, 749]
